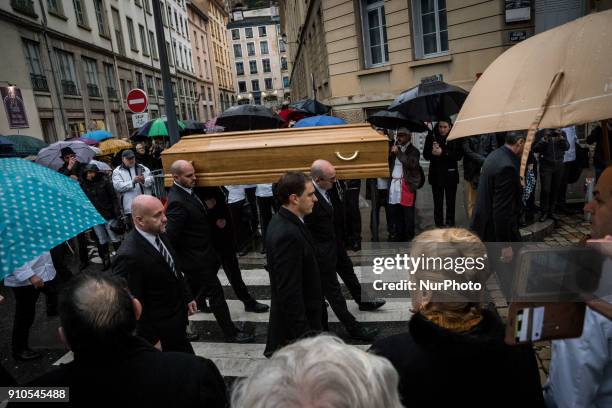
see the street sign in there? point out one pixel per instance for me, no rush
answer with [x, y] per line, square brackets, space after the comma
[137, 100]
[139, 119]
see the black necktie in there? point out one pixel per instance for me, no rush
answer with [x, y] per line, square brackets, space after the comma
[165, 254]
[328, 197]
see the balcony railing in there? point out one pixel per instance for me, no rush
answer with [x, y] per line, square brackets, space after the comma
[39, 83]
[111, 92]
[25, 7]
[69, 88]
[93, 90]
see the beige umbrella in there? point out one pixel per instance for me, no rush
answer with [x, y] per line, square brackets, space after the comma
[558, 78]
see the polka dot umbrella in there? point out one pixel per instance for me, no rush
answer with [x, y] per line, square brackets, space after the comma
[39, 209]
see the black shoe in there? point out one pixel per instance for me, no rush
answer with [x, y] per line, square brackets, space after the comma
[26, 355]
[363, 333]
[241, 338]
[243, 252]
[373, 305]
[192, 336]
[256, 307]
[543, 217]
[356, 246]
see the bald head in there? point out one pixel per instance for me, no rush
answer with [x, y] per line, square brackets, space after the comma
[148, 214]
[183, 173]
[601, 206]
[323, 173]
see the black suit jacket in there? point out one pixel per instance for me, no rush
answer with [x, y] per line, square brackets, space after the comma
[499, 202]
[138, 375]
[163, 294]
[295, 283]
[321, 224]
[190, 230]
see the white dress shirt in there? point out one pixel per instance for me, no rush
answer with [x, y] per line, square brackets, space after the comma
[235, 193]
[264, 190]
[570, 154]
[151, 239]
[41, 266]
[323, 192]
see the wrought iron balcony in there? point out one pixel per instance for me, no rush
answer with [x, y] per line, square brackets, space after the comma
[93, 90]
[39, 83]
[69, 88]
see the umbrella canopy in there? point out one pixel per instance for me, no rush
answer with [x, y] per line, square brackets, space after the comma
[155, 128]
[320, 120]
[98, 135]
[512, 90]
[26, 145]
[395, 120]
[101, 165]
[88, 142]
[51, 156]
[248, 117]
[39, 209]
[311, 106]
[430, 101]
[6, 148]
[112, 146]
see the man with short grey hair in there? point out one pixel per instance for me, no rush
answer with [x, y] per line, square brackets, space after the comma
[320, 372]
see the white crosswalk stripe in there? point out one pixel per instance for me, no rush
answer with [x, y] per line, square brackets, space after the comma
[240, 360]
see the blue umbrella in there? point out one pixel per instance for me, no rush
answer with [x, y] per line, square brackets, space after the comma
[321, 120]
[39, 209]
[98, 135]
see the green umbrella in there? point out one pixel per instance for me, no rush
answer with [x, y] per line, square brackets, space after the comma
[26, 145]
[156, 128]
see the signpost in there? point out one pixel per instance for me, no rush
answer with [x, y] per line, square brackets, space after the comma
[139, 119]
[137, 100]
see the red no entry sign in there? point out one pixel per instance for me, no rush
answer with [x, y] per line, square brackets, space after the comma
[137, 100]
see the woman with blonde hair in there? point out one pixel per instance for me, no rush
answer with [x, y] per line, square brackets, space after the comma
[454, 349]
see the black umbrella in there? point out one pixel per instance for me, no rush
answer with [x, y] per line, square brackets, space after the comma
[311, 106]
[394, 120]
[193, 127]
[430, 101]
[248, 117]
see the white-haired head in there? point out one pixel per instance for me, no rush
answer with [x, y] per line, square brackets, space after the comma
[320, 372]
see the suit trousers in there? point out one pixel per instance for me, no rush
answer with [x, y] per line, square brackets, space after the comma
[59, 256]
[333, 294]
[241, 230]
[169, 332]
[234, 276]
[382, 198]
[344, 267]
[550, 179]
[206, 283]
[266, 207]
[439, 192]
[403, 219]
[353, 216]
[25, 311]
[252, 199]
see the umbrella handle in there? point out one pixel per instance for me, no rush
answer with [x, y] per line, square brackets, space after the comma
[352, 157]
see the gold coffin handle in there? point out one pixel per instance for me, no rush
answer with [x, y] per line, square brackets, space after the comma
[352, 157]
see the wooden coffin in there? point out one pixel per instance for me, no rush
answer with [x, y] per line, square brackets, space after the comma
[262, 156]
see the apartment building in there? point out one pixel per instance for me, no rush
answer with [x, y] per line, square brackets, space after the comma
[261, 69]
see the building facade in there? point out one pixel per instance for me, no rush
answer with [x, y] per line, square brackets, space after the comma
[75, 61]
[198, 23]
[358, 55]
[261, 69]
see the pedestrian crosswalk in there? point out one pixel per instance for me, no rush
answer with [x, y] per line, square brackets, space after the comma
[241, 360]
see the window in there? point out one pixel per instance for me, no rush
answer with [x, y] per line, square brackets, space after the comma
[163, 14]
[253, 67]
[285, 82]
[264, 47]
[37, 75]
[266, 65]
[284, 63]
[262, 31]
[67, 72]
[195, 36]
[139, 83]
[55, 6]
[148, 6]
[268, 82]
[235, 34]
[255, 85]
[80, 12]
[150, 85]
[131, 35]
[248, 32]
[100, 17]
[153, 44]
[143, 40]
[169, 54]
[109, 76]
[199, 66]
[91, 76]
[376, 50]
[430, 28]
[138, 3]
[242, 86]
[118, 31]
[251, 49]
[281, 46]
[237, 51]
[239, 68]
